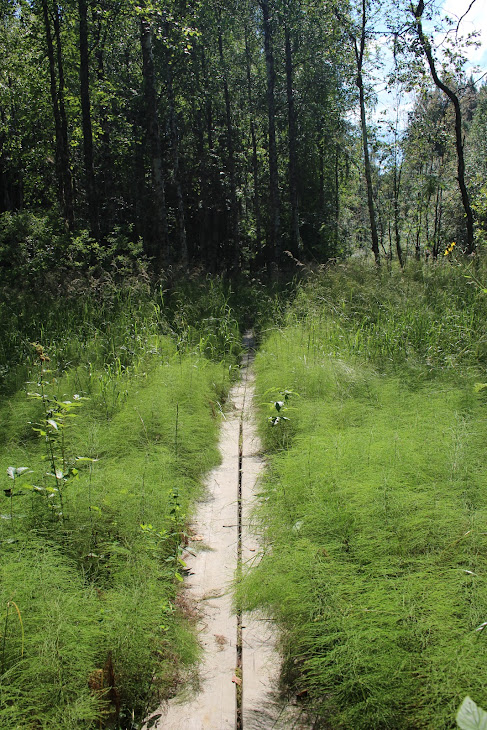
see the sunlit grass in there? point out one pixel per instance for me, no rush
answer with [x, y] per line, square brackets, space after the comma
[375, 504]
[95, 577]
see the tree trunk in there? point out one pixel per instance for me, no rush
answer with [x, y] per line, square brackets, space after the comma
[255, 167]
[65, 156]
[84, 77]
[274, 204]
[105, 181]
[63, 178]
[359, 57]
[235, 253]
[158, 247]
[397, 234]
[337, 194]
[425, 44]
[181, 218]
[292, 137]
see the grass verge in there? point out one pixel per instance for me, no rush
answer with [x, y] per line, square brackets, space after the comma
[374, 506]
[115, 437]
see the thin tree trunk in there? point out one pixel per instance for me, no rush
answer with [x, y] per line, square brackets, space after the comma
[337, 193]
[235, 254]
[84, 76]
[359, 57]
[107, 192]
[397, 234]
[181, 218]
[418, 12]
[64, 150]
[55, 105]
[417, 246]
[292, 137]
[255, 167]
[274, 203]
[160, 238]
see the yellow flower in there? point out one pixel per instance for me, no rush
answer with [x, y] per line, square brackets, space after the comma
[450, 248]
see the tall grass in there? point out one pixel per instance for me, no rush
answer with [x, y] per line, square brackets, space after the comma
[429, 319]
[91, 633]
[374, 506]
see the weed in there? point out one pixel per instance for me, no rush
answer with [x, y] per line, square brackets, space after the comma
[103, 637]
[373, 513]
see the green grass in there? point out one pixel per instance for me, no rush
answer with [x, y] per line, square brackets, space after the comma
[375, 502]
[90, 628]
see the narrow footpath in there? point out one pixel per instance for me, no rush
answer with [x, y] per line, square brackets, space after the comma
[237, 679]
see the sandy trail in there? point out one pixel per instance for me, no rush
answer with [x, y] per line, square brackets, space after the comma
[237, 687]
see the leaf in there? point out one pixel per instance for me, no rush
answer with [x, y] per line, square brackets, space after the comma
[40, 431]
[53, 423]
[470, 716]
[13, 471]
[85, 458]
[21, 470]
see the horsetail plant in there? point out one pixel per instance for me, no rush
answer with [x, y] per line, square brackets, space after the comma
[14, 473]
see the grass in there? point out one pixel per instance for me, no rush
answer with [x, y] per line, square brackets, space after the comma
[374, 506]
[91, 633]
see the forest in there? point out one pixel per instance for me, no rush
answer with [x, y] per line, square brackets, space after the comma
[171, 175]
[233, 136]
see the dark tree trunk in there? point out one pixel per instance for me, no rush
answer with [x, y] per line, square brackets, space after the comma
[397, 233]
[210, 233]
[105, 179]
[181, 217]
[253, 136]
[235, 253]
[139, 196]
[158, 247]
[359, 57]
[274, 203]
[337, 193]
[425, 44]
[293, 143]
[63, 177]
[5, 203]
[65, 156]
[84, 76]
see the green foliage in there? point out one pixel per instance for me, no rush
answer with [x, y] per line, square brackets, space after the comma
[92, 530]
[430, 320]
[470, 716]
[373, 512]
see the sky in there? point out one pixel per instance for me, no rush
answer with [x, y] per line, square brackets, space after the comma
[388, 103]
[475, 20]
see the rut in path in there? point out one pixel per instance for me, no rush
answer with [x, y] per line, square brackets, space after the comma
[237, 679]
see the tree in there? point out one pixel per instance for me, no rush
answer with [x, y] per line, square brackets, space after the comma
[417, 11]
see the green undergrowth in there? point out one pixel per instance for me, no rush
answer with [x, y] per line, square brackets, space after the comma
[374, 507]
[430, 319]
[102, 453]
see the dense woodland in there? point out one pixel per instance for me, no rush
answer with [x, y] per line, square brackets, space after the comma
[171, 175]
[233, 135]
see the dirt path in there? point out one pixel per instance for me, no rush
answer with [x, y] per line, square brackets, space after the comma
[240, 666]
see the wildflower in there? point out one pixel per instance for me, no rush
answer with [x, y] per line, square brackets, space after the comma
[450, 248]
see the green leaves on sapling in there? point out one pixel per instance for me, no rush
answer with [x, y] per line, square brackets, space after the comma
[470, 716]
[279, 408]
